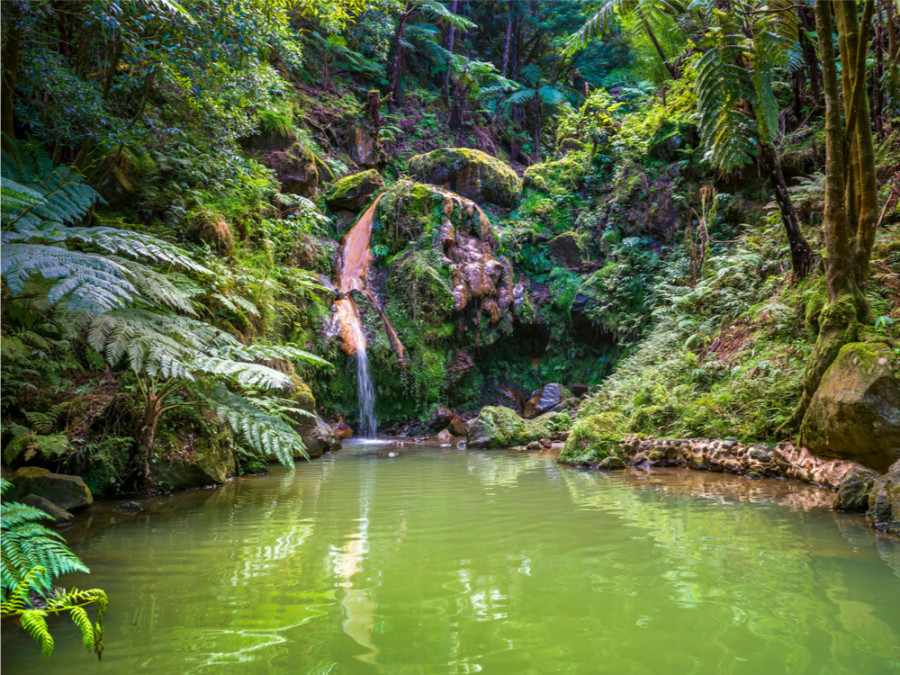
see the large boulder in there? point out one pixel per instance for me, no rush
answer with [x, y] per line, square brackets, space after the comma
[318, 437]
[471, 173]
[854, 490]
[354, 192]
[363, 148]
[197, 455]
[67, 492]
[884, 501]
[855, 413]
[498, 427]
[547, 397]
[593, 439]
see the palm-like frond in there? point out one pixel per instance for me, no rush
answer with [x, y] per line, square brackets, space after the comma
[436, 10]
[266, 433]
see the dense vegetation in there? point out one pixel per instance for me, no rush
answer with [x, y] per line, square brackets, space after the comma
[687, 207]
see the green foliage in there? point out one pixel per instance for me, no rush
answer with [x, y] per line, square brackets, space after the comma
[33, 556]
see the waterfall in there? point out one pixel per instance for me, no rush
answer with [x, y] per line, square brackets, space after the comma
[354, 262]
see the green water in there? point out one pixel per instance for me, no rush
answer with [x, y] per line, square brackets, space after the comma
[449, 561]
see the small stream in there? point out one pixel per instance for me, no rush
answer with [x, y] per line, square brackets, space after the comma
[455, 561]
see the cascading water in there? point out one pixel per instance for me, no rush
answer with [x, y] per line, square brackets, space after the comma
[354, 263]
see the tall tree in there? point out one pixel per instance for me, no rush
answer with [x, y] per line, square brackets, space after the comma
[851, 198]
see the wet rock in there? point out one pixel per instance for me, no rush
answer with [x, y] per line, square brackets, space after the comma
[457, 426]
[54, 512]
[363, 149]
[853, 492]
[471, 173]
[67, 492]
[343, 430]
[498, 427]
[884, 501]
[611, 463]
[439, 418]
[545, 398]
[318, 437]
[855, 413]
[443, 437]
[759, 455]
[546, 443]
[130, 507]
[354, 192]
[533, 445]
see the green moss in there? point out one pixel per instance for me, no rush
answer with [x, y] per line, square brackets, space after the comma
[594, 438]
[499, 427]
[471, 173]
[347, 188]
[564, 173]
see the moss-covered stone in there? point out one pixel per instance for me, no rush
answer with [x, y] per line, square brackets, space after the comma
[296, 169]
[563, 173]
[67, 492]
[355, 191]
[471, 173]
[211, 228]
[593, 438]
[499, 427]
[200, 453]
[855, 412]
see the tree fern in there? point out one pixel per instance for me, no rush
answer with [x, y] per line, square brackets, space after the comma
[268, 434]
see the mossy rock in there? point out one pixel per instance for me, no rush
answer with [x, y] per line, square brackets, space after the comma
[354, 192]
[471, 173]
[855, 412]
[499, 427]
[70, 493]
[211, 228]
[594, 438]
[671, 137]
[313, 253]
[302, 396]
[318, 437]
[199, 454]
[563, 173]
[568, 250]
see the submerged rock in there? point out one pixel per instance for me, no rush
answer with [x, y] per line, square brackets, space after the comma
[884, 501]
[471, 173]
[70, 493]
[54, 512]
[855, 413]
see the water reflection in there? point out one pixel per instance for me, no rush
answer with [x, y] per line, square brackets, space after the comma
[459, 562]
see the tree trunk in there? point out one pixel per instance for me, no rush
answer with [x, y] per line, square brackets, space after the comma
[10, 58]
[537, 128]
[148, 434]
[814, 73]
[395, 63]
[450, 40]
[659, 50]
[509, 23]
[802, 257]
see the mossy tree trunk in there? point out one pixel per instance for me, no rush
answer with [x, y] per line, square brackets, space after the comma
[851, 199]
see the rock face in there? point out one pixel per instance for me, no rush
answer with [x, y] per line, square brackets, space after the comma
[884, 501]
[593, 439]
[471, 173]
[855, 413]
[498, 427]
[567, 250]
[362, 148]
[447, 258]
[543, 399]
[354, 192]
[67, 492]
